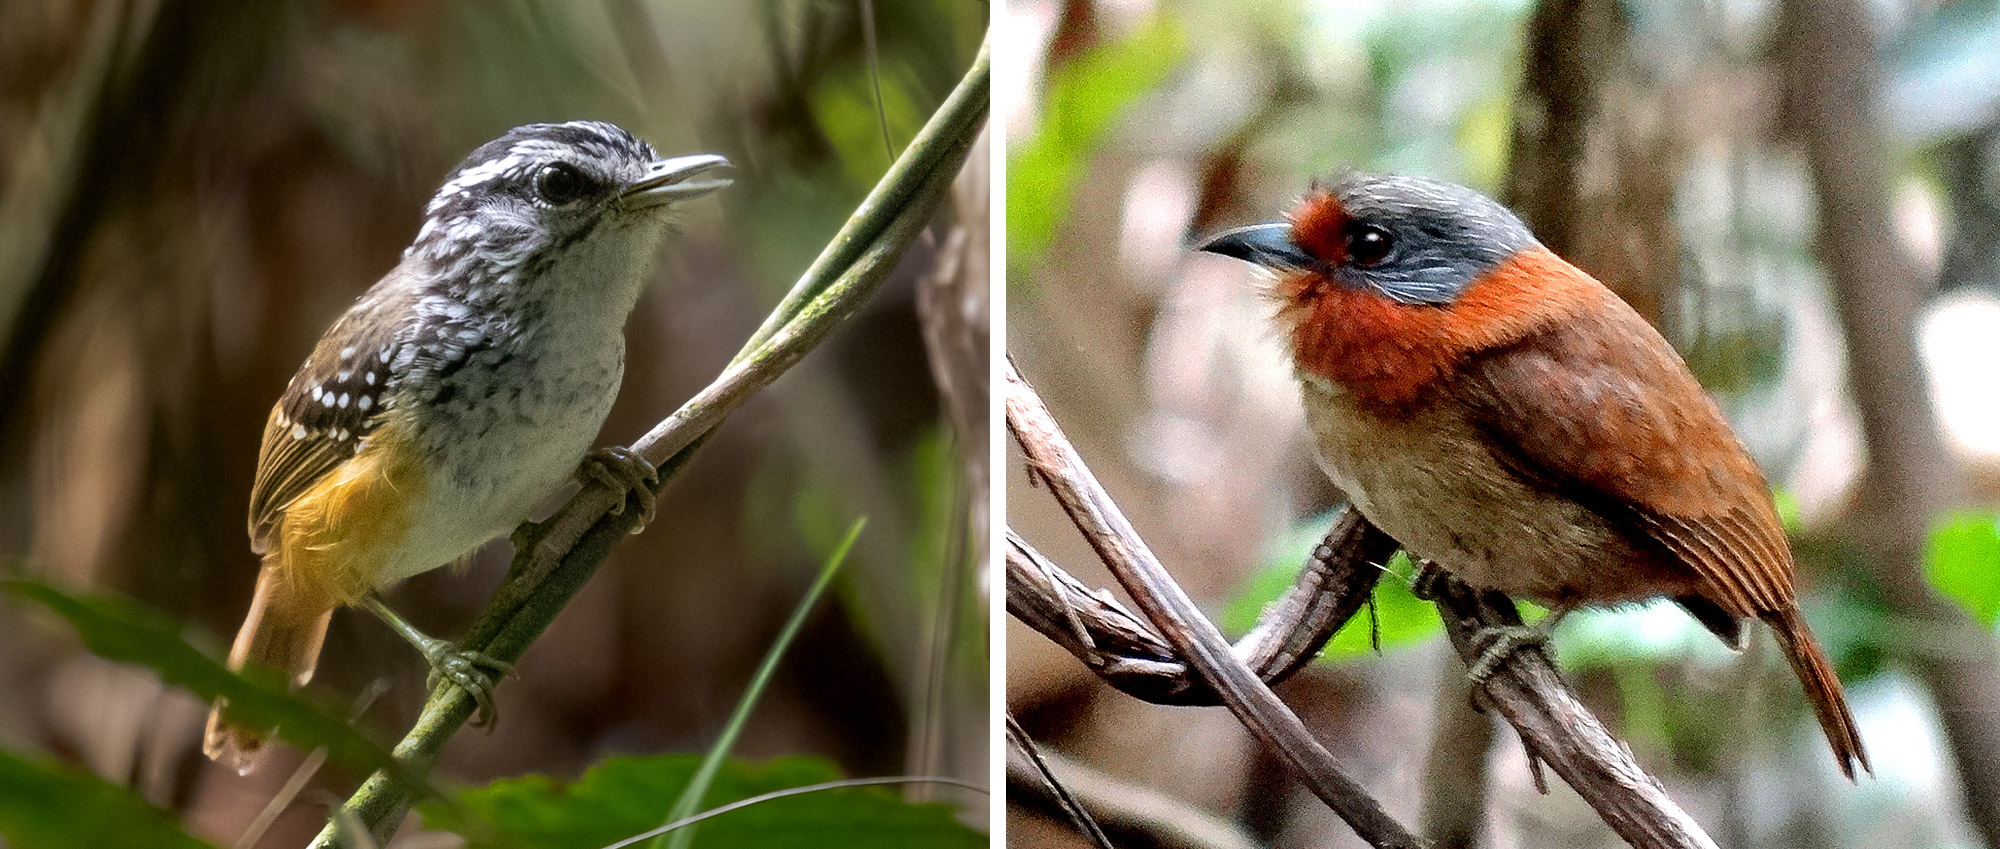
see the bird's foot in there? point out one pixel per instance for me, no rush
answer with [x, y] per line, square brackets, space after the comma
[471, 671]
[527, 535]
[474, 672]
[1497, 643]
[624, 471]
[1428, 583]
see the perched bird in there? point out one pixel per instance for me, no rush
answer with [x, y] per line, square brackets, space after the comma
[458, 393]
[1503, 415]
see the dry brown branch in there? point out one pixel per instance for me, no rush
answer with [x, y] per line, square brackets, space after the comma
[1128, 654]
[1559, 731]
[1054, 462]
[1186, 649]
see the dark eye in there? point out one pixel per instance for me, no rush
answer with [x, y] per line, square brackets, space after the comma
[560, 183]
[1368, 244]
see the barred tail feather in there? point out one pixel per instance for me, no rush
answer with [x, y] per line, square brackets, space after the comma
[1822, 688]
[283, 630]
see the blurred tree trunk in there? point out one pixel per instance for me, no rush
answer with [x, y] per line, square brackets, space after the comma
[1594, 162]
[1967, 165]
[1831, 86]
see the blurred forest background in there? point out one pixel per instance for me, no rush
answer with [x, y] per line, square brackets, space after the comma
[193, 191]
[1804, 196]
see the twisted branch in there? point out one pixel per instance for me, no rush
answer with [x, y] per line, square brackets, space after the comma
[1055, 462]
[1174, 656]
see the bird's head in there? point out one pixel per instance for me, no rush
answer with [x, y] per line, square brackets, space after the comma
[547, 196]
[1386, 283]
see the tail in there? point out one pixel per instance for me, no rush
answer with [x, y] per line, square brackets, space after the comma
[1822, 688]
[283, 631]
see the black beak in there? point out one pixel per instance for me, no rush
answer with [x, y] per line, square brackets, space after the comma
[1268, 245]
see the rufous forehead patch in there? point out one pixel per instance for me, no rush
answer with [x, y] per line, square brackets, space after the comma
[1319, 226]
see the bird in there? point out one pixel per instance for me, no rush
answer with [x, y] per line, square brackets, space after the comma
[457, 394]
[1510, 421]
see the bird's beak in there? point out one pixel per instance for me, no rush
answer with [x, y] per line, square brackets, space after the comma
[1268, 245]
[671, 180]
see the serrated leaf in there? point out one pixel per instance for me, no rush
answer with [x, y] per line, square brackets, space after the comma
[1963, 562]
[48, 805]
[125, 631]
[624, 796]
[1404, 619]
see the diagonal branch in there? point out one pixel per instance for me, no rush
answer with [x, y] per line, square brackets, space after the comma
[564, 551]
[1554, 725]
[1558, 730]
[1055, 462]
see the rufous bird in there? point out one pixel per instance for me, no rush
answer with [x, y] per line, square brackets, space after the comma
[1506, 417]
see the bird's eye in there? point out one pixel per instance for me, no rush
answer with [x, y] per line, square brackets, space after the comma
[1368, 244]
[560, 184]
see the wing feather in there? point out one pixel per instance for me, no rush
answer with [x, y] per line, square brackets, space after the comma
[1609, 414]
[326, 413]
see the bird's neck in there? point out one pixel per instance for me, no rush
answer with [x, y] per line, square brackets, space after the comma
[1388, 355]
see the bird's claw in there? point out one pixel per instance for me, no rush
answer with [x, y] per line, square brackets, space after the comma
[474, 672]
[1429, 582]
[624, 471]
[526, 536]
[1497, 643]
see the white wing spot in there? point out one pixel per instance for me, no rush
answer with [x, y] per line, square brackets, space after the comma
[364, 402]
[343, 400]
[385, 353]
[370, 377]
[298, 431]
[347, 352]
[343, 376]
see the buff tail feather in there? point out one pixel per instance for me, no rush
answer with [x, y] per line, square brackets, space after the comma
[283, 631]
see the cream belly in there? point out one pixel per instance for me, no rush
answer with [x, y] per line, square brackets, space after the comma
[1429, 480]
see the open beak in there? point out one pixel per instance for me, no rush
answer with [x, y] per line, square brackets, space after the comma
[1268, 245]
[673, 180]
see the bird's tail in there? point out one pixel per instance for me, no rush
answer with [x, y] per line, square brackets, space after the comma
[283, 631]
[1822, 687]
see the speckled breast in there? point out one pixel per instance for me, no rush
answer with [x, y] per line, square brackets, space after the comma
[502, 432]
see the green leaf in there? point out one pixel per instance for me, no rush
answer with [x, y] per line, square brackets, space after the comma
[51, 806]
[1084, 99]
[1963, 562]
[1404, 618]
[624, 796]
[128, 632]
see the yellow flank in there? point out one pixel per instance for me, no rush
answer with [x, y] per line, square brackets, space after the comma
[336, 538]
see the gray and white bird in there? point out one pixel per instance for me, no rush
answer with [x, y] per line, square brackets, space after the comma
[458, 393]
